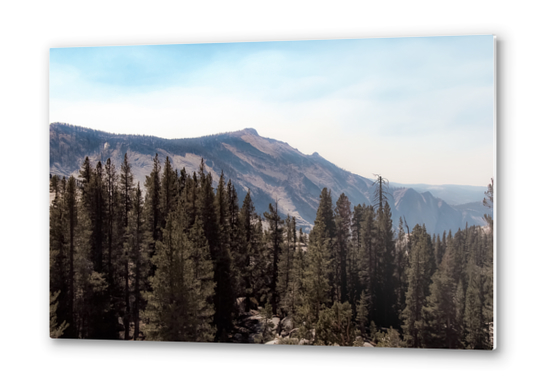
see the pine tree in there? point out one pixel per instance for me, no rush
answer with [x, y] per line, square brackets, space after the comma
[261, 268]
[168, 191]
[136, 257]
[111, 202]
[343, 217]
[275, 239]
[443, 328]
[475, 335]
[354, 261]
[59, 285]
[386, 283]
[179, 306]
[400, 262]
[114, 239]
[125, 189]
[203, 286]
[421, 268]
[316, 285]
[85, 174]
[71, 211]
[362, 313]
[369, 259]
[97, 212]
[357, 220]
[126, 231]
[327, 227]
[285, 264]
[153, 212]
[247, 249]
[83, 266]
[55, 330]
[478, 311]
[224, 300]
[234, 240]
[289, 276]
[335, 326]
[324, 215]
[487, 274]
[101, 321]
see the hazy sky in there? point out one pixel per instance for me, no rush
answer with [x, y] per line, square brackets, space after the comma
[416, 110]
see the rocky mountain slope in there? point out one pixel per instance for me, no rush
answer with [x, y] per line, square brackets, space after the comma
[271, 169]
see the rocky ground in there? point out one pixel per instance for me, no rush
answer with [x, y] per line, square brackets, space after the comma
[255, 328]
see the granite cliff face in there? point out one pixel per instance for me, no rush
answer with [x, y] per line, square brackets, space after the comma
[271, 169]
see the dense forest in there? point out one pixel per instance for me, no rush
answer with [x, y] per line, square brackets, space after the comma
[180, 260]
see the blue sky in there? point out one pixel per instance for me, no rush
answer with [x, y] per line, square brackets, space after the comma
[416, 110]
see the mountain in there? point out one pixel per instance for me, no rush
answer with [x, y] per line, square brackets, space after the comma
[451, 193]
[271, 169]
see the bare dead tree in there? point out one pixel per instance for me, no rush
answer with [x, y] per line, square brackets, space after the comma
[381, 191]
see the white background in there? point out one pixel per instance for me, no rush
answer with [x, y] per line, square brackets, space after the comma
[28, 30]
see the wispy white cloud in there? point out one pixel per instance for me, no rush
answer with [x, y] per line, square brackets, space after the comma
[413, 110]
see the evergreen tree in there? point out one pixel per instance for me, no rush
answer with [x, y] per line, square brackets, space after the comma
[285, 264]
[420, 270]
[316, 285]
[224, 300]
[98, 217]
[128, 232]
[369, 259]
[71, 211]
[59, 285]
[261, 268]
[85, 174]
[288, 269]
[475, 329]
[440, 312]
[247, 249]
[234, 240]
[125, 189]
[203, 286]
[179, 306]
[343, 217]
[362, 313]
[102, 319]
[111, 202]
[136, 257]
[275, 239]
[324, 215]
[400, 262]
[153, 212]
[327, 227]
[335, 326]
[168, 191]
[114, 235]
[354, 262]
[357, 220]
[385, 285]
[55, 330]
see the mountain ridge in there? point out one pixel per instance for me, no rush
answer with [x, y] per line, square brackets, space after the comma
[271, 169]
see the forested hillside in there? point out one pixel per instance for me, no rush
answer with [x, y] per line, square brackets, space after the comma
[191, 261]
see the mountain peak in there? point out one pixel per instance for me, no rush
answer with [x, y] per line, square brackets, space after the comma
[250, 131]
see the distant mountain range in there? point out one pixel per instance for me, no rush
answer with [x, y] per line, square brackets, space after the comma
[452, 194]
[271, 169]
